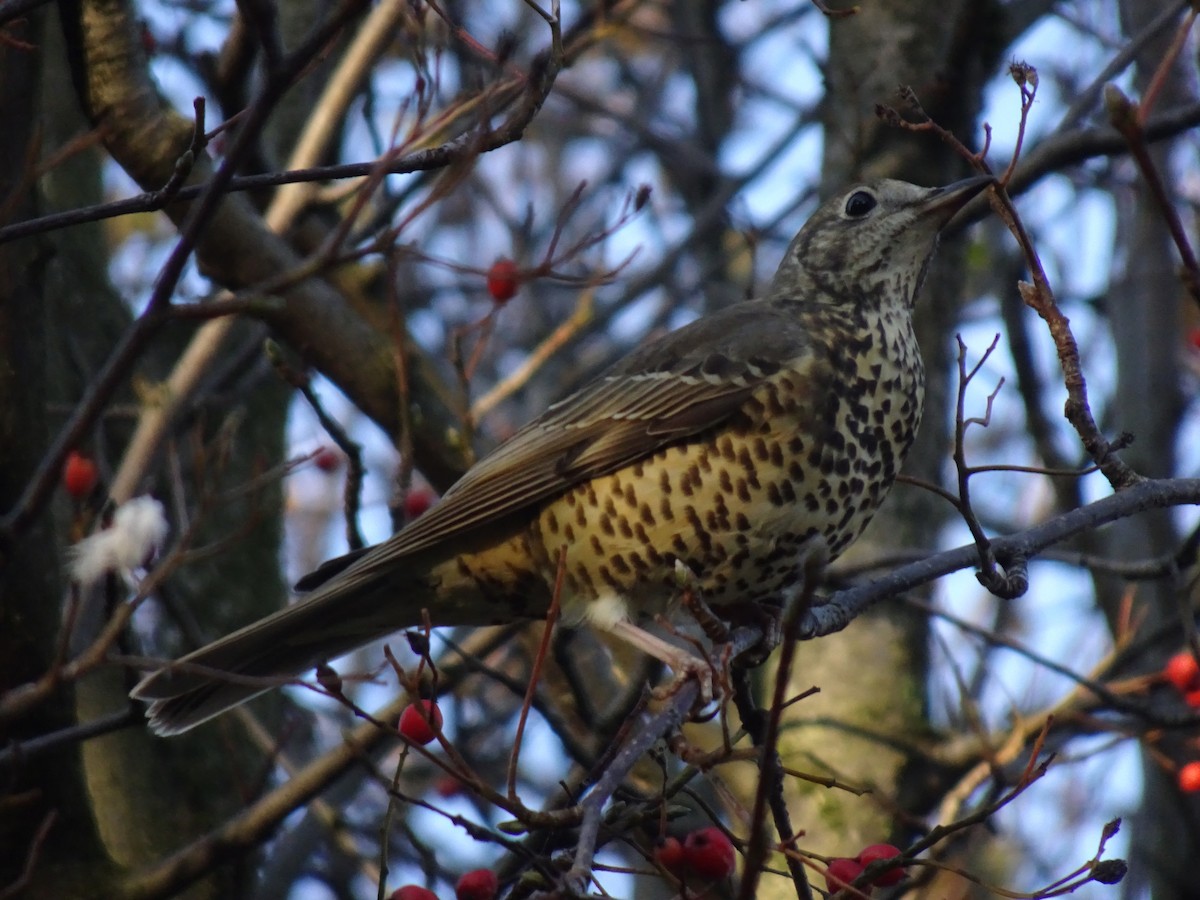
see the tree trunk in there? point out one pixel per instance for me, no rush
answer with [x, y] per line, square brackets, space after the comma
[872, 676]
[1145, 309]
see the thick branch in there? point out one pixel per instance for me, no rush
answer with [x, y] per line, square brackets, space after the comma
[146, 137]
[841, 608]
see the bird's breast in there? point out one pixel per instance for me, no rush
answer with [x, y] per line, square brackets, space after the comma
[813, 451]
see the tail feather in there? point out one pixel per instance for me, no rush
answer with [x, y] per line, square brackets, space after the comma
[267, 653]
[355, 601]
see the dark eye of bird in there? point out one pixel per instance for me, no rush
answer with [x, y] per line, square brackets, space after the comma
[859, 204]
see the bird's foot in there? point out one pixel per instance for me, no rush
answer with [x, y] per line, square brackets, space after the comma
[688, 668]
[767, 620]
[685, 665]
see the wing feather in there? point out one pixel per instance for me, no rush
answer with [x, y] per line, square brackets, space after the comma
[661, 394]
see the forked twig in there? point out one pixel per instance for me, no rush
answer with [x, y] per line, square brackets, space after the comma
[1038, 295]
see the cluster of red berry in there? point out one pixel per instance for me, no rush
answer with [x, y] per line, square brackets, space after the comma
[1183, 673]
[478, 884]
[416, 501]
[842, 871]
[420, 723]
[706, 854]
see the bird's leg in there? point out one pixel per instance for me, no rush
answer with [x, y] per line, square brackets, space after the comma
[765, 618]
[712, 625]
[773, 618]
[685, 665]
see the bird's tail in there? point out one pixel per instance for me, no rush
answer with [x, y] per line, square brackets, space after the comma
[332, 621]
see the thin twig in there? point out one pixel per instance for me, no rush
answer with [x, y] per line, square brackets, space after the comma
[535, 673]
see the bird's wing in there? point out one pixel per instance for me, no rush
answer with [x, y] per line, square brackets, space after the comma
[678, 386]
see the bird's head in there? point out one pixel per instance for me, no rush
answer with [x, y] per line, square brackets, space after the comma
[872, 239]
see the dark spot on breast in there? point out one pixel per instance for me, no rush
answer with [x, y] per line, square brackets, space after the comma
[606, 576]
[702, 534]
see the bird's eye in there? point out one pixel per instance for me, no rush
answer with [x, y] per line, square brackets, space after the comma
[859, 204]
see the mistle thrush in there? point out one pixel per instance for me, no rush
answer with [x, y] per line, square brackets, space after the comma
[725, 446]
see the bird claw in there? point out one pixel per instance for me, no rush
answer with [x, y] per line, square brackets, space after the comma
[688, 668]
[768, 620]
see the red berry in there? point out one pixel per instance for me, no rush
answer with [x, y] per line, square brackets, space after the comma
[327, 459]
[79, 475]
[417, 501]
[416, 727]
[709, 853]
[669, 853]
[1192, 699]
[413, 892]
[841, 872]
[503, 279]
[1182, 671]
[1194, 338]
[1189, 778]
[447, 786]
[478, 884]
[882, 851]
[149, 41]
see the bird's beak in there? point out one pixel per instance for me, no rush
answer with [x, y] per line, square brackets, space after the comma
[944, 202]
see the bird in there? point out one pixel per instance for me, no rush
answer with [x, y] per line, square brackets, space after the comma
[726, 447]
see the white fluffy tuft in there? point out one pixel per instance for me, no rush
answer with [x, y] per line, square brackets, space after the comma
[137, 532]
[606, 611]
